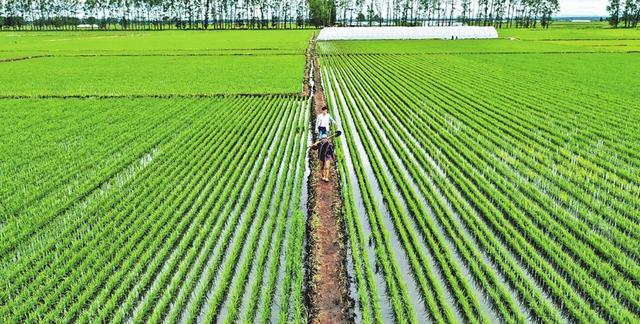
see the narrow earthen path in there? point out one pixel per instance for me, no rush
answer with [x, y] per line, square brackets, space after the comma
[328, 283]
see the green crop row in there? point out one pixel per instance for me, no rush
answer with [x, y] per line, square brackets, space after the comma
[176, 233]
[499, 176]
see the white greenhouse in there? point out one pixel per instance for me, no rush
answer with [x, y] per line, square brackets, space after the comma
[454, 32]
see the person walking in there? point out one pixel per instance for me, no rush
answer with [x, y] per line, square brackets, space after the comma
[324, 122]
[325, 155]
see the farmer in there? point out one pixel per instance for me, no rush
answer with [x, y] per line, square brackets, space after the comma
[323, 122]
[325, 155]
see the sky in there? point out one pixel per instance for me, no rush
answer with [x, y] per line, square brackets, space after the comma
[583, 8]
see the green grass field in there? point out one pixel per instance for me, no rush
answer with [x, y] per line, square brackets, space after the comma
[30, 43]
[152, 63]
[563, 31]
[152, 75]
[162, 176]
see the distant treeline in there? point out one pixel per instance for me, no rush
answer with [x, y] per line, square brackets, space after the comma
[269, 14]
[624, 13]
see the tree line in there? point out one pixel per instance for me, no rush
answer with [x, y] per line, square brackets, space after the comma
[497, 13]
[270, 14]
[624, 13]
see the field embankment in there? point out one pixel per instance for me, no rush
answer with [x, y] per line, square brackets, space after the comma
[326, 275]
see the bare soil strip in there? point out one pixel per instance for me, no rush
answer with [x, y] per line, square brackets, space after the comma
[328, 292]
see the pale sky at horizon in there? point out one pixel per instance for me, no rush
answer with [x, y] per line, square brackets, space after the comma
[583, 8]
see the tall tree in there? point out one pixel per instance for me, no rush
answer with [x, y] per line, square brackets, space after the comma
[629, 13]
[636, 16]
[322, 12]
[465, 11]
[614, 13]
[548, 8]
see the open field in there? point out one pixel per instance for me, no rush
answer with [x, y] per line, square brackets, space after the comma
[246, 41]
[152, 75]
[513, 41]
[165, 177]
[488, 187]
[142, 207]
[572, 31]
[152, 63]
[100, 240]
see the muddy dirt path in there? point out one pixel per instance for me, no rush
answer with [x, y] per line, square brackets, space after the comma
[327, 276]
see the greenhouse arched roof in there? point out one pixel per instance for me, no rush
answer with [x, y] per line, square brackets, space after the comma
[454, 32]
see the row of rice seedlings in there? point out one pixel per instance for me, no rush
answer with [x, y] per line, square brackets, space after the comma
[581, 233]
[481, 272]
[396, 287]
[103, 280]
[434, 176]
[555, 215]
[504, 298]
[267, 303]
[60, 227]
[238, 215]
[557, 184]
[291, 299]
[234, 300]
[435, 148]
[71, 259]
[278, 225]
[21, 202]
[580, 195]
[465, 298]
[431, 287]
[603, 110]
[48, 204]
[559, 127]
[364, 277]
[110, 275]
[176, 283]
[200, 274]
[514, 210]
[122, 281]
[547, 147]
[298, 308]
[523, 166]
[247, 234]
[219, 194]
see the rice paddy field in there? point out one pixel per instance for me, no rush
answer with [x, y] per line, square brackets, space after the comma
[59, 64]
[491, 181]
[162, 176]
[143, 187]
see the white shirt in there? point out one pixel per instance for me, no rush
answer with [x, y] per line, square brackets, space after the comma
[324, 121]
